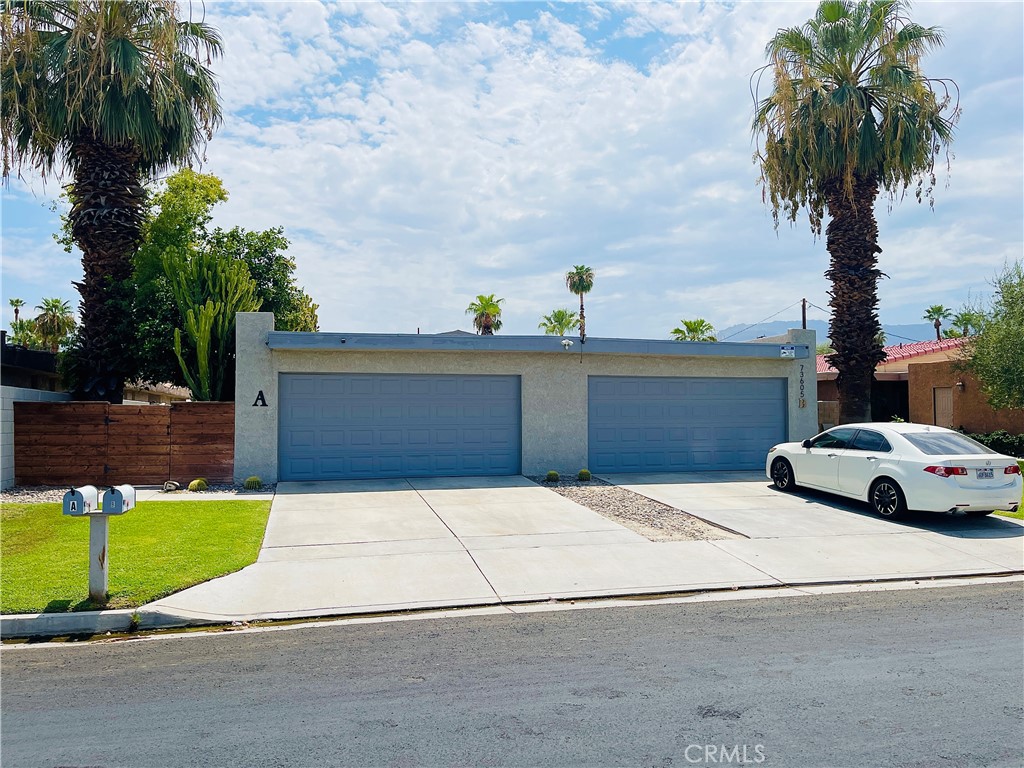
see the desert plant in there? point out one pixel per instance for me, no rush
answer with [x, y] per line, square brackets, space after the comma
[253, 483]
[551, 477]
[584, 475]
[199, 484]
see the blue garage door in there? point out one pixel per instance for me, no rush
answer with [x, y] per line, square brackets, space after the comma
[661, 424]
[342, 426]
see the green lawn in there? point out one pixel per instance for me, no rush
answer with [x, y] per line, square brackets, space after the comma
[1019, 514]
[157, 548]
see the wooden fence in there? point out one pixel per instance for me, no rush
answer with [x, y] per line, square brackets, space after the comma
[103, 444]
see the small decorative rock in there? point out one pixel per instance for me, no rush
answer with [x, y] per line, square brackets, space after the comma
[170, 485]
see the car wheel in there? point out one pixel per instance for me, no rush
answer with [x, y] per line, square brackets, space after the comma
[978, 513]
[782, 475]
[887, 499]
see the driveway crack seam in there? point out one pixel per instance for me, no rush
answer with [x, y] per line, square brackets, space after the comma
[461, 543]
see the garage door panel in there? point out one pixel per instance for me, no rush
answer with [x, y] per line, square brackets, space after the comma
[336, 426]
[675, 424]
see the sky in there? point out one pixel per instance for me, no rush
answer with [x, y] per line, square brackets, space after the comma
[419, 154]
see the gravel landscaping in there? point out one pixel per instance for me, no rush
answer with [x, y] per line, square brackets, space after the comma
[37, 494]
[649, 518]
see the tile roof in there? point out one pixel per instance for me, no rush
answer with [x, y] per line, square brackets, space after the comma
[902, 352]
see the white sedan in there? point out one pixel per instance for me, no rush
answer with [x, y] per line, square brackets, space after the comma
[900, 466]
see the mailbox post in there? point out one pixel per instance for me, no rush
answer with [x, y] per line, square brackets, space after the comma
[83, 502]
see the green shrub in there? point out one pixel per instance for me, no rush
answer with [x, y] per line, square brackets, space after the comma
[1002, 441]
[253, 483]
[199, 484]
[551, 477]
[584, 475]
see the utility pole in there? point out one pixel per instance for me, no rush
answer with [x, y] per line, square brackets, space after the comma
[803, 313]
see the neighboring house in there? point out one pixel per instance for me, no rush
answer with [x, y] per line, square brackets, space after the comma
[918, 382]
[317, 406]
[140, 393]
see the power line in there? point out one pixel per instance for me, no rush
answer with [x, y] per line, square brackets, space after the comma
[744, 330]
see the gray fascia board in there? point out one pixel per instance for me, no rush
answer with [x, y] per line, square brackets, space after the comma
[388, 342]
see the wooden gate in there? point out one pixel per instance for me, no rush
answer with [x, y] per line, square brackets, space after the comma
[103, 444]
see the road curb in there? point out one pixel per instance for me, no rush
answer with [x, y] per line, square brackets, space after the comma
[36, 625]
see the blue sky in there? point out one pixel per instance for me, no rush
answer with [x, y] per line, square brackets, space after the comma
[420, 154]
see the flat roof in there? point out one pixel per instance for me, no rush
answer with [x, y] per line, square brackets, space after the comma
[394, 342]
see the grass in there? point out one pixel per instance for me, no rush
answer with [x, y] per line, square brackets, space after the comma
[155, 549]
[1019, 514]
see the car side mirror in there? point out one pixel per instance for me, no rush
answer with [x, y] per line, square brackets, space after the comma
[805, 444]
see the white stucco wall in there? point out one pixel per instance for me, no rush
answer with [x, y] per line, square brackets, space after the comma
[8, 396]
[554, 389]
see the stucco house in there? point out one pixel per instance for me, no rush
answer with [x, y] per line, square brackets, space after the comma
[318, 406]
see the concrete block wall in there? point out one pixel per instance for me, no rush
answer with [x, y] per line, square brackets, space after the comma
[8, 396]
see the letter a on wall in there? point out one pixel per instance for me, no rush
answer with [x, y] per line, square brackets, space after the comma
[260, 400]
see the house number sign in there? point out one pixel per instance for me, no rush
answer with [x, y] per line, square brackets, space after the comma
[261, 400]
[803, 388]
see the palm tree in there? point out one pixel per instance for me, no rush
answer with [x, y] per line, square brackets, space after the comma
[17, 304]
[23, 334]
[937, 313]
[54, 322]
[486, 312]
[579, 280]
[559, 322]
[969, 321]
[114, 92]
[695, 330]
[851, 114]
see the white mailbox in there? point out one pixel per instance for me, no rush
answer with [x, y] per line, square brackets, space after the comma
[83, 500]
[118, 499]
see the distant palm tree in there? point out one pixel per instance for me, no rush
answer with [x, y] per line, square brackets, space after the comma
[580, 280]
[23, 334]
[486, 312]
[695, 330]
[559, 322]
[54, 322]
[937, 313]
[17, 304]
[968, 321]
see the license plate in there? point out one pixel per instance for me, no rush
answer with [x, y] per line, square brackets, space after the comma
[985, 474]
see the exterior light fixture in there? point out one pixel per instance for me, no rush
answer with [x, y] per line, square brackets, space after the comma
[960, 386]
[566, 343]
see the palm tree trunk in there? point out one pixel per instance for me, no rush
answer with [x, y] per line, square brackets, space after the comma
[852, 243]
[583, 322]
[106, 223]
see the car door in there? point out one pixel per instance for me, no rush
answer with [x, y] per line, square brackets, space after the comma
[818, 467]
[860, 461]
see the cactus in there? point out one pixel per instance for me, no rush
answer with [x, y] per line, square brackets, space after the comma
[584, 475]
[199, 484]
[253, 483]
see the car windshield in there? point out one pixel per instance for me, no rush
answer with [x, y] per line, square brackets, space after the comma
[945, 443]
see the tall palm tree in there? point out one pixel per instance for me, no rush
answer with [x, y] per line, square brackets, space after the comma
[579, 280]
[17, 304]
[937, 313]
[54, 322]
[114, 92]
[695, 330]
[559, 322]
[486, 312]
[850, 114]
[969, 321]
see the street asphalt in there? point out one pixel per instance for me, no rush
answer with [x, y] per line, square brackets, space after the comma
[377, 546]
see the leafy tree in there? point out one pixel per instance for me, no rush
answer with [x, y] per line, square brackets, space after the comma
[825, 348]
[54, 323]
[209, 291]
[851, 114]
[486, 312]
[936, 313]
[695, 330]
[113, 92]
[559, 322]
[23, 334]
[996, 354]
[580, 280]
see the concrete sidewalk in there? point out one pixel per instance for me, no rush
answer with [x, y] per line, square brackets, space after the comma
[365, 547]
